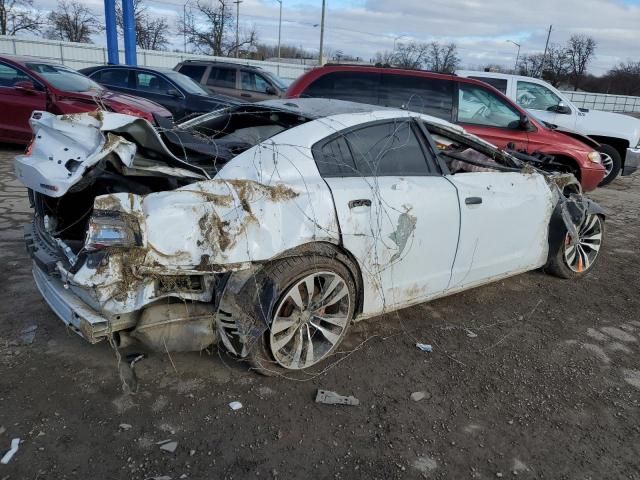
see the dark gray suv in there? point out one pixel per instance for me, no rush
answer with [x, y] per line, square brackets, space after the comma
[248, 83]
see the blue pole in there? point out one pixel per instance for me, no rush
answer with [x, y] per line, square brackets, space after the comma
[129, 21]
[112, 31]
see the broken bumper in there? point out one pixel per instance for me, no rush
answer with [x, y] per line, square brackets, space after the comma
[632, 161]
[75, 313]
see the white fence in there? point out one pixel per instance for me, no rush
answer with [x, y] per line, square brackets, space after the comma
[80, 55]
[602, 101]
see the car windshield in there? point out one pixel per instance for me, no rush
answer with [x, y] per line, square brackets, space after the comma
[280, 83]
[64, 78]
[187, 84]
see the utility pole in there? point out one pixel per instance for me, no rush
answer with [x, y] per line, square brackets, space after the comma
[129, 30]
[546, 47]
[112, 32]
[279, 29]
[237, 2]
[184, 26]
[324, 2]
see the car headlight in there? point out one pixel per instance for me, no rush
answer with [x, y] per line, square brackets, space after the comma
[594, 157]
[111, 230]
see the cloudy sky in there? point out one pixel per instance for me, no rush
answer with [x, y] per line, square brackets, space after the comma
[479, 28]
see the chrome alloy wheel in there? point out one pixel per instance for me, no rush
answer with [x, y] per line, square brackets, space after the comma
[582, 252]
[310, 320]
[607, 163]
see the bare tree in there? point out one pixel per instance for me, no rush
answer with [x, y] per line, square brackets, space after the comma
[411, 55]
[385, 58]
[19, 16]
[580, 50]
[556, 65]
[206, 26]
[442, 58]
[624, 79]
[72, 22]
[152, 32]
[247, 43]
[530, 65]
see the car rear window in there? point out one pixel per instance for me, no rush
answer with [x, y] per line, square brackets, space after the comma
[432, 96]
[114, 77]
[351, 86]
[222, 77]
[499, 84]
[415, 93]
[194, 71]
[382, 149]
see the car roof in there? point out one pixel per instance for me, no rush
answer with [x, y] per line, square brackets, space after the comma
[131, 67]
[506, 76]
[217, 62]
[23, 60]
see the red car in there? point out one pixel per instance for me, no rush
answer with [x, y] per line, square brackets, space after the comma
[28, 84]
[478, 107]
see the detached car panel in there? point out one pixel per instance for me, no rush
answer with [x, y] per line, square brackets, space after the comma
[270, 227]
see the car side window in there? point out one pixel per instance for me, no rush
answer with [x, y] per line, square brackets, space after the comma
[351, 86]
[383, 149]
[115, 78]
[222, 77]
[499, 84]
[194, 71]
[479, 106]
[253, 82]
[418, 94]
[152, 83]
[536, 96]
[9, 76]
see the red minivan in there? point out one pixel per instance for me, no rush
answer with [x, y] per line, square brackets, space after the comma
[28, 84]
[478, 107]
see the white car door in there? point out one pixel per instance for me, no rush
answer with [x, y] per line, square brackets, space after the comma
[504, 225]
[397, 216]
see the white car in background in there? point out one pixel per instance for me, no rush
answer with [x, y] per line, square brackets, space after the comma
[618, 135]
[270, 227]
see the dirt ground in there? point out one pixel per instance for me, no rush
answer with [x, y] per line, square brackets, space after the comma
[532, 377]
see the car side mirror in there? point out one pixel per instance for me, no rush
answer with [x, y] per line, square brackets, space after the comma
[524, 123]
[173, 92]
[561, 108]
[271, 90]
[25, 86]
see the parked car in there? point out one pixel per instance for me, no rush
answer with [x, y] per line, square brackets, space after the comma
[28, 84]
[618, 135]
[294, 218]
[176, 92]
[246, 82]
[481, 109]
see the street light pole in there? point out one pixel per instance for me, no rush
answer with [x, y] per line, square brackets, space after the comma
[237, 2]
[321, 33]
[515, 68]
[279, 29]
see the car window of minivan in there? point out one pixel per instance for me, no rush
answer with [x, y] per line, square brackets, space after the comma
[479, 106]
[432, 96]
[535, 96]
[499, 84]
[351, 86]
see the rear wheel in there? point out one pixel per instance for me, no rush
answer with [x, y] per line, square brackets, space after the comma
[611, 161]
[315, 307]
[577, 257]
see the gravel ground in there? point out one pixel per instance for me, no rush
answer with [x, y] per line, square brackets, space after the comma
[533, 377]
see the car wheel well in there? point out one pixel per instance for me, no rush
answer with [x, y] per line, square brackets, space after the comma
[338, 252]
[619, 144]
[570, 163]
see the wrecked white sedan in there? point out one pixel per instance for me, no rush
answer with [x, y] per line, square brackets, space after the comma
[270, 227]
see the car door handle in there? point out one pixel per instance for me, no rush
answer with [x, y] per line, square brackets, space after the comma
[362, 202]
[473, 201]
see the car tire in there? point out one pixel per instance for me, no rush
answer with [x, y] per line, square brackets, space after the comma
[611, 161]
[574, 261]
[304, 330]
